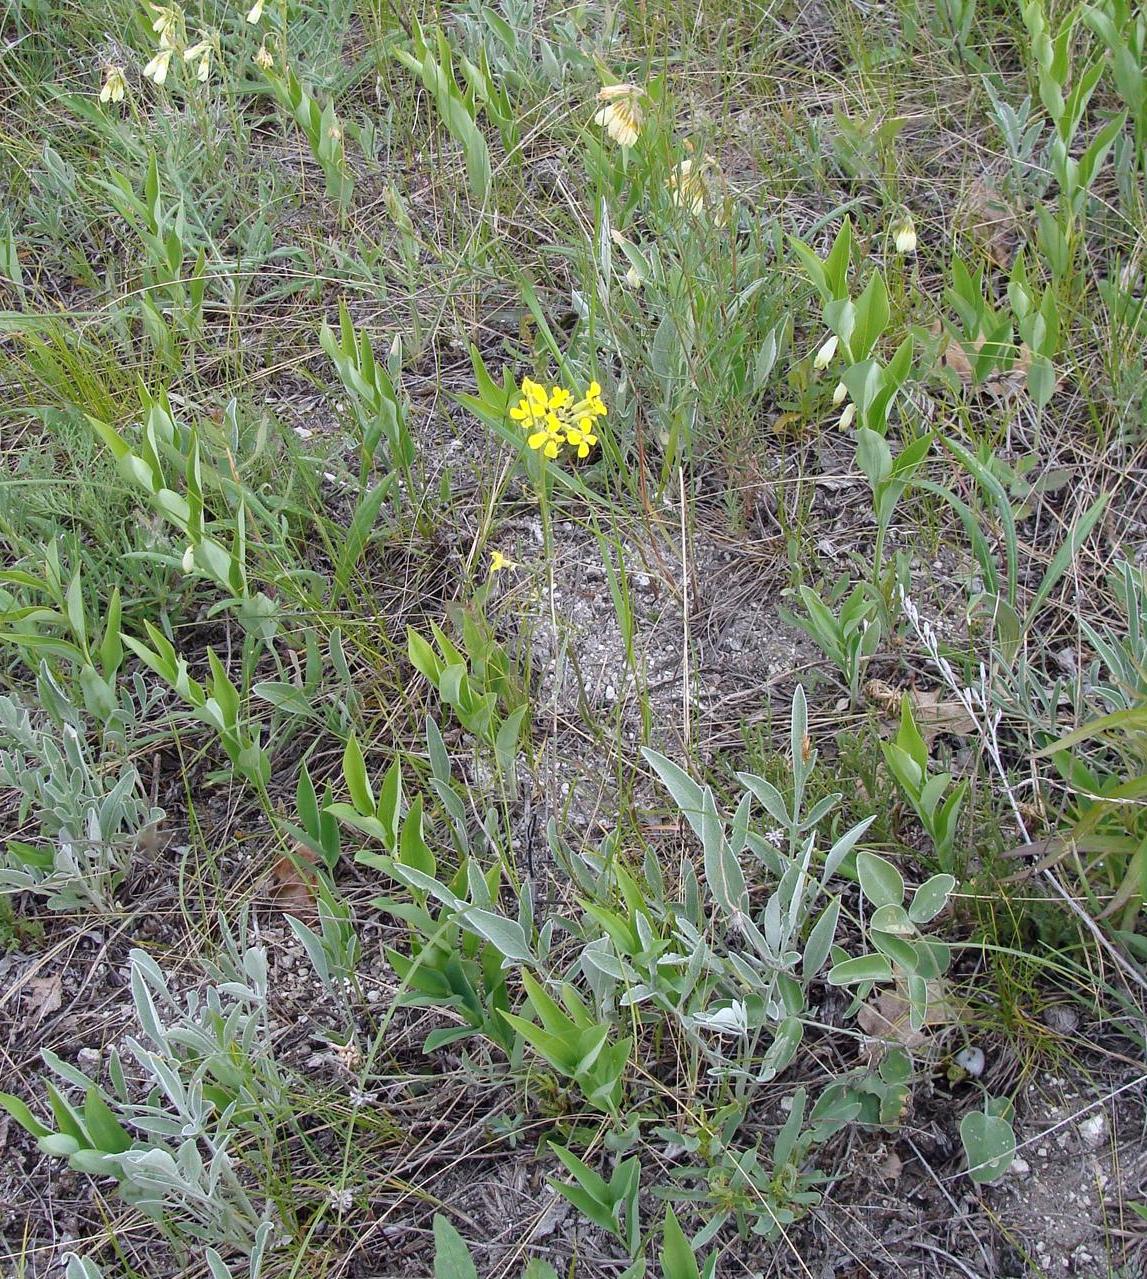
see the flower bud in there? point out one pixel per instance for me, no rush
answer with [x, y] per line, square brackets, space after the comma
[824, 356]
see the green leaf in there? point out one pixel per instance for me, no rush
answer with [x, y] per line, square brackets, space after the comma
[930, 898]
[892, 918]
[989, 1143]
[357, 535]
[23, 1115]
[505, 935]
[881, 882]
[354, 773]
[105, 1130]
[820, 940]
[452, 1259]
[412, 848]
[862, 968]
[677, 1259]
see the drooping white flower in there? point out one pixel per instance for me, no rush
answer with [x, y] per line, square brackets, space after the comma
[157, 69]
[904, 235]
[823, 357]
[114, 86]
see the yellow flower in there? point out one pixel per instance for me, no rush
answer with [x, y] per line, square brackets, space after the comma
[839, 395]
[581, 437]
[621, 116]
[555, 419]
[904, 234]
[115, 85]
[847, 416]
[158, 67]
[263, 58]
[498, 562]
[823, 357]
[255, 12]
[166, 24]
[202, 51]
[548, 439]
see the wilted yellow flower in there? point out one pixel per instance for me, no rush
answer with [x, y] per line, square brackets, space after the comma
[255, 12]
[687, 186]
[166, 24]
[823, 357]
[115, 85]
[621, 116]
[263, 58]
[904, 234]
[202, 51]
[555, 418]
[158, 67]
[498, 562]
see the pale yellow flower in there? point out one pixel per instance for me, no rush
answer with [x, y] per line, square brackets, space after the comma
[904, 234]
[840, 394]
[263, 58]
[255, 12]
[697, 186]
[847, 416]
[202, 51]
[823, 357]
[115, 85]
[166, 24]
[621, 116]
[634, 278]
[159, 66]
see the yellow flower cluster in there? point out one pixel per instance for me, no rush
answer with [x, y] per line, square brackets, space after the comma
[555, 418]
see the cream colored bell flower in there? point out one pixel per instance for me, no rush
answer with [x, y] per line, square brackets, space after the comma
[847, 416]
[166, 24]
[904, 235]
[621, 116]
[202, 51]
[687, 186]
[157, 69]
[115, 85]
[840, 394]
[823, 357]
[255, 12]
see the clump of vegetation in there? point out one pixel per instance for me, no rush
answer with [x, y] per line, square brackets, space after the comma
[572, 637]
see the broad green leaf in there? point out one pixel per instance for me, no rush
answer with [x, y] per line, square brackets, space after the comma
[930, 898]
[882, 883]
[862, 968]
[452, 1259]
[989, 1143]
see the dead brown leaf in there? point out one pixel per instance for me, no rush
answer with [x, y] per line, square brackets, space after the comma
[44, 995]
[991, 220]
[887, 1018]
[934, 713]
[292, 883]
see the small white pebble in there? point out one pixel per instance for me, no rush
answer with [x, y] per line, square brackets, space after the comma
[1093, 1130]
